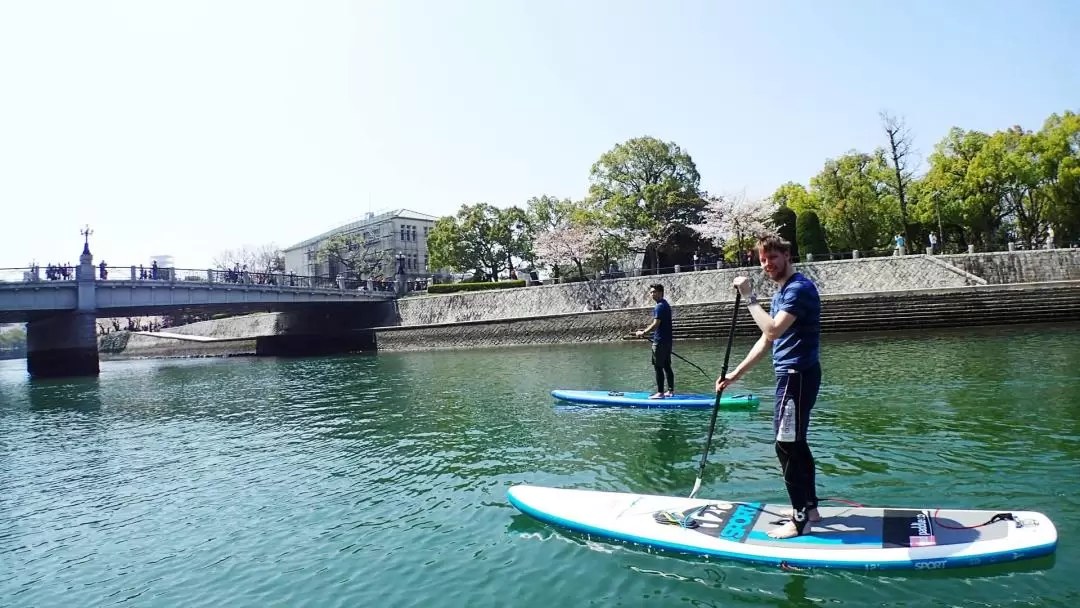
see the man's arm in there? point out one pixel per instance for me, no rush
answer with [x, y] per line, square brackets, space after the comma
[655, 323]
[771, 327]
[756, 352]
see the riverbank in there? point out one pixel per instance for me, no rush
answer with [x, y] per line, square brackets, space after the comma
[909, 292]
[918, 309]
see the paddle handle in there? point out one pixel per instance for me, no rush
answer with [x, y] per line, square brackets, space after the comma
[716, 406]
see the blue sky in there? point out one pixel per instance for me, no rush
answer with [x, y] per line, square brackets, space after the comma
[185, 128]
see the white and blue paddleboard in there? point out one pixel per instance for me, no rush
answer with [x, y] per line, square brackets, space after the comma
[847, 537]
[641, 399]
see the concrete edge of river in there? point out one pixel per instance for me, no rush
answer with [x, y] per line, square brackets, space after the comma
[872, 311]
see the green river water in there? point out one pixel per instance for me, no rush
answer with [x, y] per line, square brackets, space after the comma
[381, 480]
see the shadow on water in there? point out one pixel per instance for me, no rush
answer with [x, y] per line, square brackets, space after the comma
[78, 394]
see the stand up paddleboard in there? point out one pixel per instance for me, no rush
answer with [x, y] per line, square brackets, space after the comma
[847, 537]
[631, 399]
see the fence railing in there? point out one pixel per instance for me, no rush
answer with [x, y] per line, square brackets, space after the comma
[745, 261]
[217, 276]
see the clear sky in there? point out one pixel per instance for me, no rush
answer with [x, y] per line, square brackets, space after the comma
[188, 127]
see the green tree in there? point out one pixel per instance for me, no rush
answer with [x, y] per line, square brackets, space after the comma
[784, 219]
[646, 187]
[809, 234]
[12, 342]
[1060, 169]
[796, 197]
[948, 198]
[481, 239]
[852, 208]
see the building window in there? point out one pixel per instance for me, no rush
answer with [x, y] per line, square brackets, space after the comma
[425, 263]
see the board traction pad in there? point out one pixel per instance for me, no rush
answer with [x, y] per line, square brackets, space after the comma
[844, 527]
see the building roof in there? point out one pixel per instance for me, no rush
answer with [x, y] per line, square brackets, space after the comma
[369, 219]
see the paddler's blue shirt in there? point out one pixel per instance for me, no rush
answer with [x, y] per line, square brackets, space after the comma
[798, 347]
[662, 334]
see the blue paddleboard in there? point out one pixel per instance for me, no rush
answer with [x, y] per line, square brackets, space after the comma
[641, 399]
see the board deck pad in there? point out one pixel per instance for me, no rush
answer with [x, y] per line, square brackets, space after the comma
[847, 537]
[641, 399]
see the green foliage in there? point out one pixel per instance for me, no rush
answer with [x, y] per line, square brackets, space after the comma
[809, 234]
[481, 239]
[977, 188]
[12, 343]
[853, 210]
[455, 287]
[784, 220]
[796, 197]
[643, 188]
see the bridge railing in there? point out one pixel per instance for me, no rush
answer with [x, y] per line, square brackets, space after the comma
[191, 275]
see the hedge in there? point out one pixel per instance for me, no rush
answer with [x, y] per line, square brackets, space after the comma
[452, 287]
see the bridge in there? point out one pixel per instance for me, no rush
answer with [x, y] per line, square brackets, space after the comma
[61, 308]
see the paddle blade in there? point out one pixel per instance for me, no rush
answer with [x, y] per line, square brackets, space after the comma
[697, 486]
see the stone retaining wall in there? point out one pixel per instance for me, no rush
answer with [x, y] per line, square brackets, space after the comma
[138, 346]
[1037, 266]
[874, 309]
[597, 326]
[841, 276]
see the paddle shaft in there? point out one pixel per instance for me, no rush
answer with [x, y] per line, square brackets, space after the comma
[703, 372]
[716, 406]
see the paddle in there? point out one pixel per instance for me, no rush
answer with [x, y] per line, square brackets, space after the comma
[716, 406]
[703, 373]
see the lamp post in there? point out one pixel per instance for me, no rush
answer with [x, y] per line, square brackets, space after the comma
[400, 273]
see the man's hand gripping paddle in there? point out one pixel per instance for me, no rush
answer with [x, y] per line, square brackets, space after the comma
[716, 406]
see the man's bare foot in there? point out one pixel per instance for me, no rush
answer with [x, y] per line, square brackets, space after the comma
[669, 393]
[656, 396]
[787, 530]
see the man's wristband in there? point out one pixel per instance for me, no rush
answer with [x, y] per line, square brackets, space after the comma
[751, 300]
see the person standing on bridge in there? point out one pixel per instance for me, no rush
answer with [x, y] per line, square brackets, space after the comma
[792, 328]
[662, 342]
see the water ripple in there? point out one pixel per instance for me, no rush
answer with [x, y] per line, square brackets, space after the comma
[381, 480]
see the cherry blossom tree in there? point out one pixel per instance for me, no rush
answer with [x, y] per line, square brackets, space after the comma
[735, 221]
[569, 244]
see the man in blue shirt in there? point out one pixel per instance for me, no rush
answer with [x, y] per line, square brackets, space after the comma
[792, 329]
[662, 341]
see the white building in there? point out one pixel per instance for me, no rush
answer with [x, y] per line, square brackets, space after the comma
[390, 235]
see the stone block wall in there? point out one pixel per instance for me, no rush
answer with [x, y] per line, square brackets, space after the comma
[1005, 267]
[597, 326]
[842, 276]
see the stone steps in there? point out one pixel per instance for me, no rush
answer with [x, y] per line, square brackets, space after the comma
[877, 313]
[903, 311]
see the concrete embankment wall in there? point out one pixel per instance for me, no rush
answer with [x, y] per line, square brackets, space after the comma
[846, 276]
[865, 275]
[1020, 266]
[556, 313]
[125, 345]
[977, 305]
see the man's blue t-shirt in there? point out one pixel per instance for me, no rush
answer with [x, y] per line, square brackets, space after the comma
[798, 347]
[662, 334]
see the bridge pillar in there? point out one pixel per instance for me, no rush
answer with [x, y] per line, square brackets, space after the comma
[66, 344]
